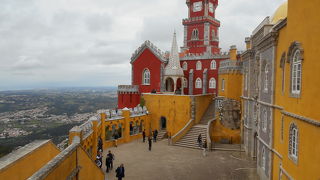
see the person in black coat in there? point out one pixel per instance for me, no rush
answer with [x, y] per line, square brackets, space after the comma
[150, 143]
[111, 158]
[108, 163]
[144, 135]
[120, 172]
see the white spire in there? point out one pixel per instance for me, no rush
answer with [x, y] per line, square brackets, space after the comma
[173, 67]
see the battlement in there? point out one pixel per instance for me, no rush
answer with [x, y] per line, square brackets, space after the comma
[128, 89]
[201, 18]
[155, 50]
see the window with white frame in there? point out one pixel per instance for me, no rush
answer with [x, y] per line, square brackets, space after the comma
[293, 141]
[185, 83]
[198, 65]
[146, 77]
[185, 66]
[198, 83]
[222, 85]
[195, 34]
[266, 77]
[212, 83]
[264, 120]
[213, 64]
[263, 158]
[296, 73]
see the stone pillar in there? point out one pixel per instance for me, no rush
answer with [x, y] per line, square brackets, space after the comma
[94, 121]
[191, 82]
[75, 131]
[233, 52]
[175, 84]
[126, 132]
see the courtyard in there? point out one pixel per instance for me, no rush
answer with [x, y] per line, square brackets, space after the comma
[165, 162]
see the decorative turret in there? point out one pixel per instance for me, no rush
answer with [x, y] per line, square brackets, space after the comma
[173, 68]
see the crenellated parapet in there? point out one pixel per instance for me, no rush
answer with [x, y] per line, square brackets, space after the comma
[229, 66]
[206, 55]
[200, 19]
[128, 89]
[154, 49]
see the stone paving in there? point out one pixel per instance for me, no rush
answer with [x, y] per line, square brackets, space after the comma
[176, 163]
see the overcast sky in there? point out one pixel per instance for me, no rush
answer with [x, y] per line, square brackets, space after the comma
[58, 43]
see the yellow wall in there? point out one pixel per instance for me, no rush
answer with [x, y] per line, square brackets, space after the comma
[307, 33]
[176, 109]
[233, 85]
[218, 132]
[29, 164]
[89, 169]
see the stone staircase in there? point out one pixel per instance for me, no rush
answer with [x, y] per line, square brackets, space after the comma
[209, 114]
[190, 140]
[161, 134]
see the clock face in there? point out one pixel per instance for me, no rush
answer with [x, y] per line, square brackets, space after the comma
[211, 7]
[197, 6]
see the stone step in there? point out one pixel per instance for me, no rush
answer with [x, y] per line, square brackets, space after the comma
[187, 146]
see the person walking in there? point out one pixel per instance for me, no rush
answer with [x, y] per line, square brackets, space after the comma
[116, 136]
[111, 158]
[200, 140]
[99, 159]
[120, 172]
[156, 134]
[144, 135]
[108, 163]
[150, 143]
[204, 153]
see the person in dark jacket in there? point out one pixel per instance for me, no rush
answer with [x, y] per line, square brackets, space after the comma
[150, 143]
[200, 140]
[111, 158]
[108, 163]
[120, 172]
[144, 135]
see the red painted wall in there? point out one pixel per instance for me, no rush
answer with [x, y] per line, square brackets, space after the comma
[128, 100]
[147, 60]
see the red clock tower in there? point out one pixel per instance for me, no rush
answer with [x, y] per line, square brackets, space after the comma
[201, 27]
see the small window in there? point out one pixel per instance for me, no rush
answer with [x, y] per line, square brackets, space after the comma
[266, 77]
[212, 83]
[198, 83]
[213, 64]
[293, 141]
[296, 73]
[222, 85]
[263, 158]
[185, 66]
[198, 65]
[185, 83]
[195, 34]
[264, 121]
[146, 77]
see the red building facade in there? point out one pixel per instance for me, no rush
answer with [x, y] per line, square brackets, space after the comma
[199, 58]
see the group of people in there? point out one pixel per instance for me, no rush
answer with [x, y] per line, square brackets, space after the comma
[202, 145]
[109, 161]
[154, 134]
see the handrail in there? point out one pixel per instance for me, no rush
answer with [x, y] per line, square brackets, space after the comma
[182, 132]
[209, 142]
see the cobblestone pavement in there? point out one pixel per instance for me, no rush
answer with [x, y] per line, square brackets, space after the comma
[175, 163]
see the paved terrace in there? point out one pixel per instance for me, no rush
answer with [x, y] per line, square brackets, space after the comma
[175, 163]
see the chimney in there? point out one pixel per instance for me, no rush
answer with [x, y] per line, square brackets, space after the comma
[248, 43]
[233, 52]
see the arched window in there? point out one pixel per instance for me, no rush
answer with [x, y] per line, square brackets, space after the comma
[264, 120]
[263, 158]
[213, 64]
[212, 83]
[296, 73]
[185, 66]
[198, 65]
[293, 141]
[185, 82]
[195, 34]
[146, 77]
[266, 77]
[198, 83]
[213, 35]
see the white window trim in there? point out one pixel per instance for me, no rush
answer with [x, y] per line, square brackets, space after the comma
[146, 80]
[213, 64]
[295, 146]
[296, 73]
[222, 85]
[198, 65]
[195, 34]
[185, 66]
[198, 83]
[212, 83]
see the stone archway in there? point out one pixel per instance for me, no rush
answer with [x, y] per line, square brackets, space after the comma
[169, 84]
[163, 122]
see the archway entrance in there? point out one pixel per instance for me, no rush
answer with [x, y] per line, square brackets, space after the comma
[163, 122]
[169, 85]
